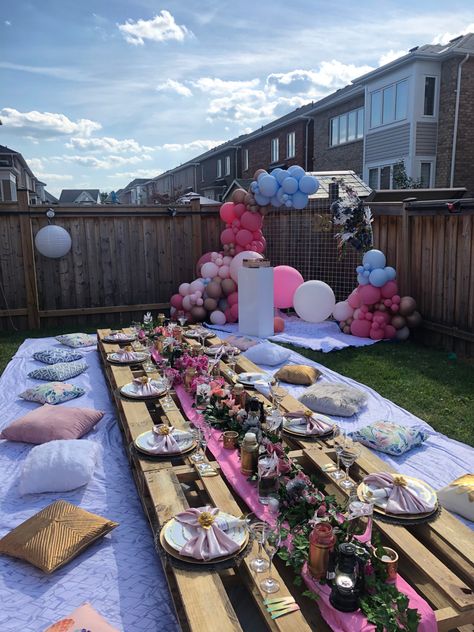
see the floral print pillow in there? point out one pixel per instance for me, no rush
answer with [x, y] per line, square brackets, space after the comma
[77, 340]
[83, 619]
[52, 393]
[59, 372]
[53, 356]
[389, 437]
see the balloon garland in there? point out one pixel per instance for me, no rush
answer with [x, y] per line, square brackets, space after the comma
[213, 295]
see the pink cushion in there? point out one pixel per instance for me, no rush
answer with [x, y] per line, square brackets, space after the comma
[48, 423]
[83, 618]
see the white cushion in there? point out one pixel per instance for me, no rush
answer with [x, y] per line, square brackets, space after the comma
[334, 399]
[458, 496]
[267, 353]
[58, 466]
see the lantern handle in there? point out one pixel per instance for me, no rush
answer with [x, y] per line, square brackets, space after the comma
[50, 214]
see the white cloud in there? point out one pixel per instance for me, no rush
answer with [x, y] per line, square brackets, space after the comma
[159, 29]
[103, 163]
[216, 86]
[170, 85]
[54, 177]
[445, 38]
[328, 77]
[194, 145]
[108, 144]
[47, 124]
[7, 23]
[391, 55]
[139, 173]
[35, 164]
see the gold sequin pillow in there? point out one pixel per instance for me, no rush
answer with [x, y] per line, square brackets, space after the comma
[55, 535]
[458, 496]
[298, 374]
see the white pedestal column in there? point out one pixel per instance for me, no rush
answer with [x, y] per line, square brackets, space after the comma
[256, 301]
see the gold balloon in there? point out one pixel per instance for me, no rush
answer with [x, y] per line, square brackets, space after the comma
[407, 305]
[414, 320]
[238, 196]
[398, 321]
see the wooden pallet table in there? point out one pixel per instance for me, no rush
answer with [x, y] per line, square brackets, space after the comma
[437, 558]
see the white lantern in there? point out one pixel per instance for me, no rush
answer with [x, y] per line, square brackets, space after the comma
[53, 241]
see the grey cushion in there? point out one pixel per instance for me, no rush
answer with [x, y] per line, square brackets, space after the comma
[334, 399]
[59, 372]
[53, 356]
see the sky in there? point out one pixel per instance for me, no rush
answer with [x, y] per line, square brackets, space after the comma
[96, 93]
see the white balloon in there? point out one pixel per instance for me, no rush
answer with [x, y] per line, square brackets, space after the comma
[314, 301]
[237, 262]
[53, 241]
[217, 317]
[342, 311]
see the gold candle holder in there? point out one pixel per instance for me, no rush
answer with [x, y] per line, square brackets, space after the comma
[389, 558]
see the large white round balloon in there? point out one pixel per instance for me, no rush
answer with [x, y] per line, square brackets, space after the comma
[314, 301]
[342, 311]
[237, 262]
[53, 241]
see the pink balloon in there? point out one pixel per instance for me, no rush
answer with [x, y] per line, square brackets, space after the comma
[389, 289]
[369, 294]
[209, 270]
[229, 317]
[227, 261]
[234, 310]
[382, 317]
[204, 259]
[390, 332]
[236, 223]
[259, 247]
[224, 272]
[395, 307]
[360, 328]
[217, 317]
[369, 316]
[257, 235]
[376, 333]
[197, 286]
[286, 280]
[184, 289]
[396, 299]
[227, 237]
[227, 212]
[238, 250]
[233, 298]
[235, 230]
[199, 302]
[187, 304]
[239, 210]
[243, 237]
[358, 314]
[354, 299]
[251, 221]
[238, 259]
[176, 301]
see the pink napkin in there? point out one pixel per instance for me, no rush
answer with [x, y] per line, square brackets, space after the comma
[207, 540]
[401, 500]
[314, 426]
[119, 335]
[164, 443]
[126, 356]
[146, 389]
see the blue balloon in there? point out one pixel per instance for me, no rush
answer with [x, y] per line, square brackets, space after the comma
[261, 175]
[254, 186]
[378, 277]
[275, 172]
[285, 197]
[296, 171]
[268, 185]
[367, 266]
[280, 194]
[262, 200]
[391, 273]
[300, 200]
[223, 304]
[308, 184]
[362, 280]
[360, 269]
[375, 259]
[282, 175]
[290, 185]
[289, 203]
[366, 273]
[275, 201]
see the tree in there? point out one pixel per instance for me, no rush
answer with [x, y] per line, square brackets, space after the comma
[400, 178]
[103, 196]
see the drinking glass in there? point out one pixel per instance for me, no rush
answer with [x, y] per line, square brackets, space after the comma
[197, 456]
[271, 544]
[349, 455]
[182, 320]
[168, 400]
[278, 394]
[230, 352]
[257, 528]
[339, 439]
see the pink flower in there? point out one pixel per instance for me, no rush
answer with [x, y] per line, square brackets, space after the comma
[321, 511]
[284, 466]
[141, 334]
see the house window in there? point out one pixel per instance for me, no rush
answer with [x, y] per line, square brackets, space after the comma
[202, 173]
[275, 150]
[374, 178]
[290, 145]
[425, 174]
[389, 104]
[347, 127]
[429, 101]
[227, 165]
[385, 177]
[245, 159]
[219, 168]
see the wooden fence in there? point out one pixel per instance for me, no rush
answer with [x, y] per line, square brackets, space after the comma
[126, 260]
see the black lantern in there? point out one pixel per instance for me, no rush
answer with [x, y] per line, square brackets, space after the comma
[346, 583]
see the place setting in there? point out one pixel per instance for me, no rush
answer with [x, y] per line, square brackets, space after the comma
[127, 356]
[120, 337]
[309, 425]
[164, 441]
[145, 388]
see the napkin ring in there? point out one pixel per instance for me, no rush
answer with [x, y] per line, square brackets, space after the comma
[206, 519]
[162, 430]
[400, 481]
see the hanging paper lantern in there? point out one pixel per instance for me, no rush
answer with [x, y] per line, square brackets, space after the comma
[53, 241]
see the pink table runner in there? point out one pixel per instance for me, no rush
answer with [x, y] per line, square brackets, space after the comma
[356, 621]
[228, 460]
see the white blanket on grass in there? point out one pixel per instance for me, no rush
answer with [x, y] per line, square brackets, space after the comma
[120, 575]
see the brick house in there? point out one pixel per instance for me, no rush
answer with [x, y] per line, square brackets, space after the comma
[16, 174]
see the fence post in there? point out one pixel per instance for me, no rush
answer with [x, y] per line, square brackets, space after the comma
[406, 247]
[29, 267]
[196, 227]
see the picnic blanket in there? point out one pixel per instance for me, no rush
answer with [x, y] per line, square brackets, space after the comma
[120, 575]
[324, 336]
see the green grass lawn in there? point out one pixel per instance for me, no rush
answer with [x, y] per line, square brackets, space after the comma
[423, 380]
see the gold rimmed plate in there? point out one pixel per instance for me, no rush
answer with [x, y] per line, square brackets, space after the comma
[214, 350]
[123, 338]
[253, 379]
[192, 333]
[129, 390]
[114, 358]
[142, 444]
[299, 430]
[422, 489]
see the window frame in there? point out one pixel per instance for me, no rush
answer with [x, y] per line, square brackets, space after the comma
[291, 144]
[245, 159]
[430, 163]
[219, 168]
[335, 122]
[275, 155]
[227, 166]
[380, 92]
[435, 78]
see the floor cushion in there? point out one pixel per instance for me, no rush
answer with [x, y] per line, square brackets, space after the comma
[59, 372]
[77, 340]
[458, 496]
[334, 399]
[52, 393]
[53, 356]
[390, 437]
[298, 374]
[268, 354]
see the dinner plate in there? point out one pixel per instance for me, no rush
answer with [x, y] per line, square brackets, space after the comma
[192, 333]
[251, 379]
[422, 489]
[292, 427]
[213, 350]
[130, 390]
[174, 536]
[125, 338]
[145, 440]
[114, 358]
